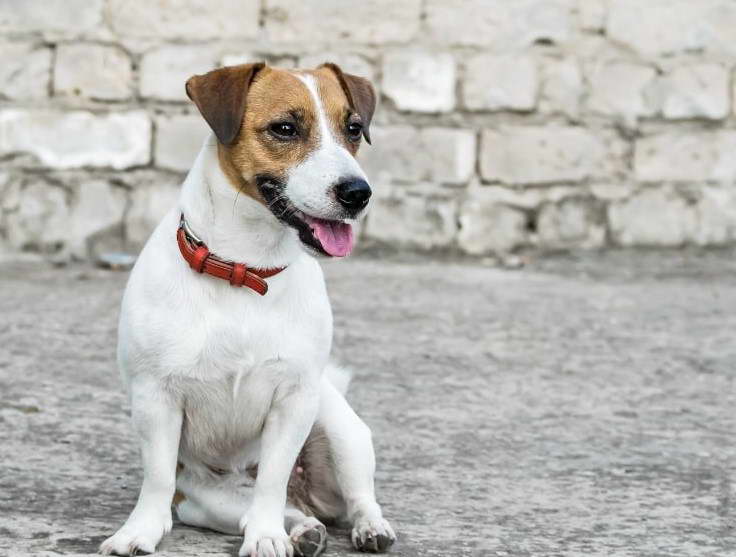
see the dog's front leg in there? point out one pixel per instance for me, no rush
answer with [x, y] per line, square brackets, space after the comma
[292, 414]
[157, 420]
[355, 463]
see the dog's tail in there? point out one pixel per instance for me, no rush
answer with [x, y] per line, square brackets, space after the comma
[339, 376]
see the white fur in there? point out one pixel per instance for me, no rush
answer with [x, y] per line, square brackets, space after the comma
[222, 378]
[340, 377]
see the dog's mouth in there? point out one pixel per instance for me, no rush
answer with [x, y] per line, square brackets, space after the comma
[335, 237]
[328, 237]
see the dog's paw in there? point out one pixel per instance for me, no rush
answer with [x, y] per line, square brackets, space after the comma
[309, 537]
[372, 535]
[266, 542]
[137, 536]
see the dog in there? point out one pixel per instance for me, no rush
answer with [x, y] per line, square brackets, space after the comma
[226, 328]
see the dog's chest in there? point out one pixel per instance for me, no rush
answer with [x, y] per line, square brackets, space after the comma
[236, 355]
[223, 416]
[239, 332]
[214, 345]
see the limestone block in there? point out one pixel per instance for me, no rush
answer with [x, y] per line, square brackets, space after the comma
[681, 156]
[187, 19]
[662, 27]
[652, 217]
[164, 71]
[545, 154]
[502, 23]
[500, 82]
[696, 91]
[57, 18]
[148, 205]
[420, 81]
[25, 69]
[572, 223]
[335, 22]
[178, 140]
[410, 220]
[623, 90]
[77, 138]
[488, 227]
[93, 71]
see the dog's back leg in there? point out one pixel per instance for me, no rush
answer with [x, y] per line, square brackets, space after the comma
[308, 534]
[339, 466]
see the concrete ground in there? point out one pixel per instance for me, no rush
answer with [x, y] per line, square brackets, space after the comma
[579, 406]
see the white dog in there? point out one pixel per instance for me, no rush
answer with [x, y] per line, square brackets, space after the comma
[241, 418]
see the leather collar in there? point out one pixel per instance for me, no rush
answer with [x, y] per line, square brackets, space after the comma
[195, 252]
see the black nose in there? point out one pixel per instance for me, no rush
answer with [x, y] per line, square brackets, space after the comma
[353, 194]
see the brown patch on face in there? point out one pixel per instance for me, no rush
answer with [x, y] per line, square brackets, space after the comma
[274, 96]
[243, 103]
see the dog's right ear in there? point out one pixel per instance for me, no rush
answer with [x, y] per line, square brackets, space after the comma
[220, 96]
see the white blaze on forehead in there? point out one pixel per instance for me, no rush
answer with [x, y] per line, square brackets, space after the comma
[325, 133]
[310, 183]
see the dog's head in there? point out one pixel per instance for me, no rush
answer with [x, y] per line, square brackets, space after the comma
[288, 139]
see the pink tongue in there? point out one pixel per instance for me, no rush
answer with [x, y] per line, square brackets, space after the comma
[336, 237]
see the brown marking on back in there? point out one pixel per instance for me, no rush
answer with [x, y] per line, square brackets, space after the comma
[312, 486]
[178, 495]
[178, 498]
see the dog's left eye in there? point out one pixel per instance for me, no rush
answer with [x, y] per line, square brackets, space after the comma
[355, 129]
[284, 130]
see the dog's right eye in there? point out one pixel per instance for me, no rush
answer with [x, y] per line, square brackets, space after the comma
[283, 130]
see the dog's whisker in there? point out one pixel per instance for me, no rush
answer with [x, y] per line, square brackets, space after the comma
[235, 201]
[287, 211]
[279, 197]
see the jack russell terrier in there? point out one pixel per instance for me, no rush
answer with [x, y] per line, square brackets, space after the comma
[225, 328]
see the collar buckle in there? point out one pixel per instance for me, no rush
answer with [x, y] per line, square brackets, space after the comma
[188, 231]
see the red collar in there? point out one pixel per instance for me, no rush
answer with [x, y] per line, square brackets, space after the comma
[195, 252]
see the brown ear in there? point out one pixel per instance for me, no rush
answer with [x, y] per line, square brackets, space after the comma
[360, 94]
[220, 97]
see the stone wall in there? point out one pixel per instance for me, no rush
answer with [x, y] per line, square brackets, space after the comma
[503, 124]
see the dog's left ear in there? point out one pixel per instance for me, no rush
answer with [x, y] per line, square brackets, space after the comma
[360, 94]
[220, 97]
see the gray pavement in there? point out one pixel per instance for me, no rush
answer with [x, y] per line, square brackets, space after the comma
[579, 406]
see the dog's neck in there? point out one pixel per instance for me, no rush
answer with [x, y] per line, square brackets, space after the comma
[234, 226]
